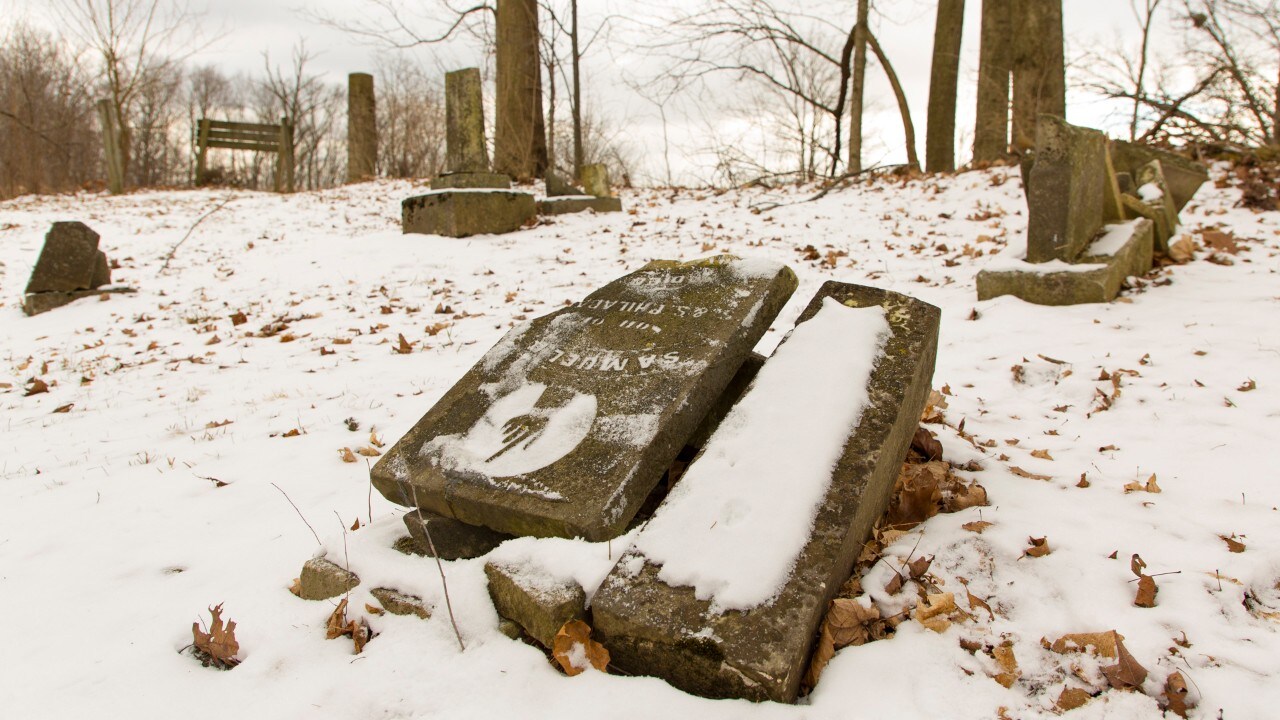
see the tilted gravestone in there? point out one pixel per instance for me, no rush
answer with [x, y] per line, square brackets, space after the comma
[1182, 174]
[70, 267]
[563, 198]
[565, 426]
[466, 156]
[1065, 190]
[723, 591]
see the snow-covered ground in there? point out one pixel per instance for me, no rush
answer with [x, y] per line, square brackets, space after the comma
[157, 475]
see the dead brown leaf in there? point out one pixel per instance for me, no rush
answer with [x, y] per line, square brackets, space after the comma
[976, 526]
[238, 318]
[1149, 486]
[36, 386]
[1233, 545]
[1042, 454]
[574, 649]
[1072, 698]
[404, 347]
[1028, 474]
[347, 455]
[1176, 698]
[1007, 663]
[1146, 596]
[292, 433]
[926, 444]
[64, 408]
[1183, 250]
[218, 647]
[1039, 547]
[368, 452]
[339, 626]
[1248, 385]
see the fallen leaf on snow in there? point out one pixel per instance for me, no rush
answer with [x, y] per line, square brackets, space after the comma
[338, 626]
[347, 455]
[1072, 698]
[1042, 454]
[1146, 596]
[36, 387]
[976, 526]
[218, 647]
[1039, 547]
[1233, 545]
[1176, 698]
[1027, 474]
[575, 651]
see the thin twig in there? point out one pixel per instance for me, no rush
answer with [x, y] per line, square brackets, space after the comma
[295, 507]
[836, 183]
[174, 250]
[440, 567]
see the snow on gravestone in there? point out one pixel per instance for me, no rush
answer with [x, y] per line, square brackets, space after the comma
[722, 593]
[565, 426]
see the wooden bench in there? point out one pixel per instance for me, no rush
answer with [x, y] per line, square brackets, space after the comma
[258, 137]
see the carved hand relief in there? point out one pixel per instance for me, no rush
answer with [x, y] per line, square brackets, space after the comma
[521, 432]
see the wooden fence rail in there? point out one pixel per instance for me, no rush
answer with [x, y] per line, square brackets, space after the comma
[258, 137]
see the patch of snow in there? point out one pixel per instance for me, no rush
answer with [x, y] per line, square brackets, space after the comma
[1150, 193]
[1113, 238]
[736, 522]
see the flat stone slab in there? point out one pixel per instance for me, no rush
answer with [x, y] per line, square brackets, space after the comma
[1183, 175]
[565, 426]
[563, 205]
[538, 603]
[723, 591]
[471, 181]
[1123, 250]
[452, 539]
[36, 303]
[1163, 225]
[69, 261]
[1066, 190]
[398, 603]
[461, 213]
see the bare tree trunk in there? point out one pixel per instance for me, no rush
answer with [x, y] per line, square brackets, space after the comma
[578, 159]
[1039, 67]
[908, 128]
[1140, 80]
[940, 135]
[519, 145]
[991, 129]
[857, 85]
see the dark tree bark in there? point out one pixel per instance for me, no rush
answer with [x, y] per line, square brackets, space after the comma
[940, 137]
[519, 136]
[1039, 67]
[995, 60]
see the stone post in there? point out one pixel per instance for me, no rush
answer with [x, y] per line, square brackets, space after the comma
[595, 180]
[464, 122]
[362, 128]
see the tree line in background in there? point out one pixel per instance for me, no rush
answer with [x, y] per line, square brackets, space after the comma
[800, 79]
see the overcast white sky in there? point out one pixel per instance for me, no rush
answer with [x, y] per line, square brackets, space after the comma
[904, 27]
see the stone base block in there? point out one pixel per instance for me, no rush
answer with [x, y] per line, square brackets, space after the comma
[653, 628]
[1125, 250]
[575, 204]
[539, 604]
[322, 579]
[36, 303]
[471, 180]
[453, 539]
[460, 213]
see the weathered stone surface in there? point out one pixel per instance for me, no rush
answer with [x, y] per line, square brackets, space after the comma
[595, 180]
[1124, 181]
[737, 386]
[460, 213]
[1151, 176]
[1162, 226]
[510, 628]
[362, 128]
[68, 261]
[322, 579]
[471, 181]
[558, 186]
[398, 603]
[569, 204]
[653, 628]
[565, 426]
[36, 303]
[1183, 175]
[536, 602]
[453, 539]
[465, 150]
[1097, 278]
[1065, 192]
[101, 271]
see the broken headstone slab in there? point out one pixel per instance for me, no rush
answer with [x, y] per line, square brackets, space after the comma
[722, 593]
[595, 180]
[570, 204]
[69, 261]
[322, 579]
[461, 213]
[1182, 174]
[559, 187]
[1123, 250]
[539, 603]
[1065, 190]
[452, 539]
[1154, 191]
[565, 426]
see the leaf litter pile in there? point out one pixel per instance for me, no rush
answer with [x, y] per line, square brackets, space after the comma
[1086, 525]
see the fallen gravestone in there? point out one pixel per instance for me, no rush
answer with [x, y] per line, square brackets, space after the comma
[722, 593]
[70, 267]
[1182, 174]
[563, 198]
[565, 426]
[1080, 248]
[468, 199]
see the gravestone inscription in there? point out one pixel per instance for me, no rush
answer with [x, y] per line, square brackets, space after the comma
[565, 426]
